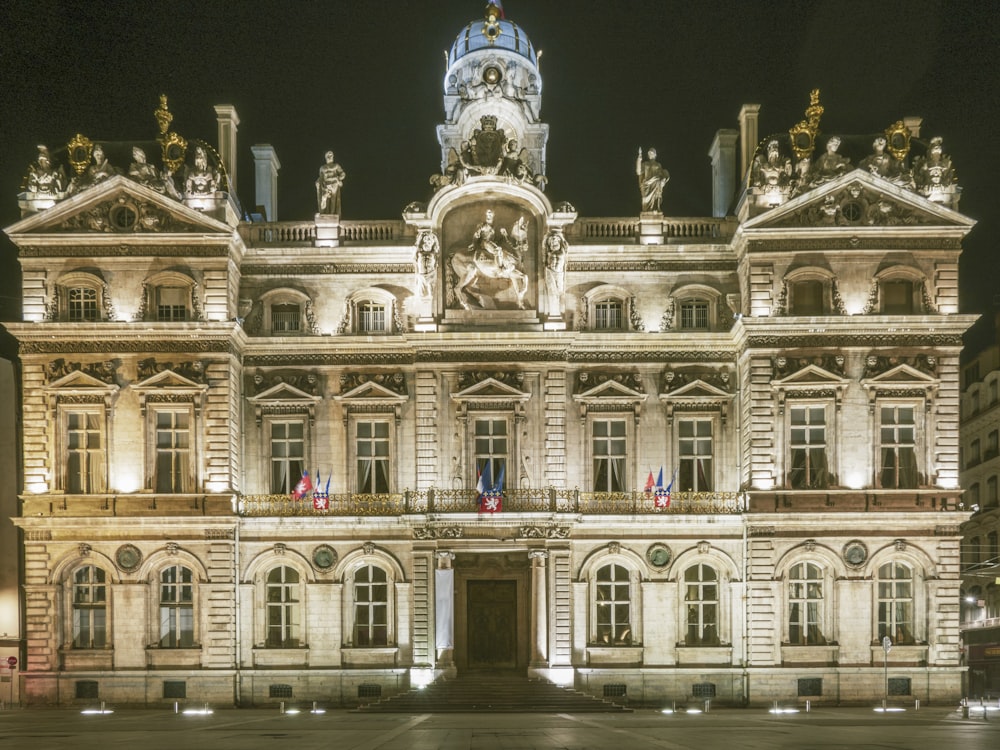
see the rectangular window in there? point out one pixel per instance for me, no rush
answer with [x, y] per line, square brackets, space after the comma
[372, 445]
[701, 597]
[694, 315]
[174, 689]
[173, 451]
[176, 607]
[285, 319]
[807, 298]
[805, 605]
[84, 452]
[991, 492]
[992, 445]
[897, 297]
[287, 455]
[994, 391]
[694, 471]
[974, 455]
[371, 607]
[171, 303]
[810, 686]
[613, 605]
[899, 686]
[90, 614]
[897, 449]
[82, 304]
[371, 317]
[808, 447]
[282, 594]
[491, 448]
[609, 444]
[608, 315]
[895, 603]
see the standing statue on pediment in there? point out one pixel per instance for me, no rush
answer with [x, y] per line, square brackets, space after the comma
[885, 165]
[201, 179]
[652, 179]
[328, 184]
[829, 165]
[771, 175]
[98, 171]
[933, 174]
[426, 264]
[43, 178]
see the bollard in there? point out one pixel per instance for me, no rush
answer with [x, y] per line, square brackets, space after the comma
[708, 705]
[808, 706]
[176, 708]
[102, 707]
[916, 705]
[673, 706]
[281, 707]
[965, 711]
[314, 706]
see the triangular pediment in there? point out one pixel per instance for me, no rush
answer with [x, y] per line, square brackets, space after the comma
[115, 207]
[79, 381]
[858, 200]
[610, 390]
[492, 389]
[810, 376]
[371, 391]
[902, 375]
[698, 390]
[168, 379]
[284, 393]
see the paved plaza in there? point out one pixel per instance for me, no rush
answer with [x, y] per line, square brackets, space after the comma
[733, 729]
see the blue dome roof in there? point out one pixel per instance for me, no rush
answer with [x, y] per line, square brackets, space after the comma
[511, 38]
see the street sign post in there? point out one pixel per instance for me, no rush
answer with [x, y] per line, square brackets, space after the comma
[886, 647]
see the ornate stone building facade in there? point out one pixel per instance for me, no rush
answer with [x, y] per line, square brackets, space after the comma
[483, 391]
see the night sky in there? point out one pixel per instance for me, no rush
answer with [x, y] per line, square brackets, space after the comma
[364, 78]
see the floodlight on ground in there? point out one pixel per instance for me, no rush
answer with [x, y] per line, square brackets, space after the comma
[206, 711]
[777, 710]
[888, 710]
[98, 711]
[292, 711]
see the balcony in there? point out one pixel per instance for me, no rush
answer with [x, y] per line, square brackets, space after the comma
[544, 500]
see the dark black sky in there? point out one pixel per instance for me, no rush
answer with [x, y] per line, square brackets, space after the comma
[364, 77]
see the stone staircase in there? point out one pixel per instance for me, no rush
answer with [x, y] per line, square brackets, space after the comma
[495, 691]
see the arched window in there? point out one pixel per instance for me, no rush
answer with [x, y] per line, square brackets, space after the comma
[701, 600]
[170, 297]
[613, 606]
[370, 311]
[607, 308]
[90, 607]
[283, 312]
[609, 315]
[371, 607]
[807, 297]
[282, 602]
[895, 603]
[176, 607]
[80, 298]
[805, 605]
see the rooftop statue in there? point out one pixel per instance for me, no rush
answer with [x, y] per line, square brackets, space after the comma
[201, 179]
[487, 258]
[885, 165]
[426, 264]
[145, 174]
[43, 178]
[98, 171]
[771, 175]
[652, 179]
[829, 165]
[933, 173]
[328, 184]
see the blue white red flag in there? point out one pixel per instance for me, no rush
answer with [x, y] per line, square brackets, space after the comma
[649, 481]
[321, 500]
[483, 482]
[662, 495]
[303, 487]
[492, 500]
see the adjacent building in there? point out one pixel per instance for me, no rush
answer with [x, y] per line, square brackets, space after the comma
[654, 456]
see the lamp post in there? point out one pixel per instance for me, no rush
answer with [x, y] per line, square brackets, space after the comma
[886, 647]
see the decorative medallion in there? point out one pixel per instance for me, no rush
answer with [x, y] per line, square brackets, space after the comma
[659, 555]
[128, 557]
[855, 553]
[324, 557]
[79, 149]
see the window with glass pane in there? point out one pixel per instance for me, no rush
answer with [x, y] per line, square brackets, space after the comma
[371, 317]
[991, 492]
[90, 613]
[282, 604]
[897, 297]
[84, 453]
[807, 298]
[974, 454]
[805, 605]
[694, 314]
[694, 472]
[287, 455]
[82, 304]
[898, 448]
[808, 447]
[286, 318]
[372, 442]
[994, 391]
[608, 315]
[701, 598]
[491, 447]
[173, 451]
[992, 445]
[176, 607]
[371, 607]
[171, 302]
[614, 606]
[608, 443]
[895, 603]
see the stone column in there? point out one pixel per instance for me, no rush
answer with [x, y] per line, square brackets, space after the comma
[539, 609]
[444, 610]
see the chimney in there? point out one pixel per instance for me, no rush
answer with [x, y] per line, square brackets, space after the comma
[913, 125]
[225, 115]
[722, 152]
[748, 135]
[265, 172]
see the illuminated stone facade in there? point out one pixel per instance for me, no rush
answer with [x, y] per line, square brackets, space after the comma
[789, 372]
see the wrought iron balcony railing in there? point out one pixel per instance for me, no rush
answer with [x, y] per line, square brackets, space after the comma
[542, 500]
